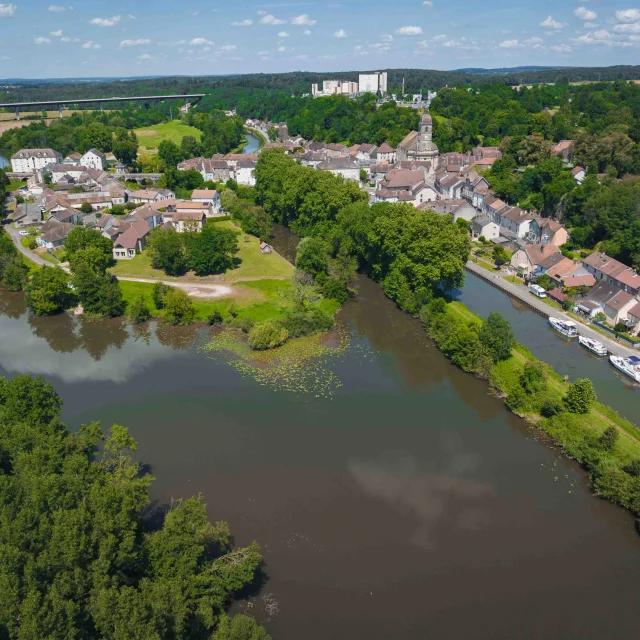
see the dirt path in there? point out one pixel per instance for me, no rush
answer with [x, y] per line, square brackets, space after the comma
[195, 290]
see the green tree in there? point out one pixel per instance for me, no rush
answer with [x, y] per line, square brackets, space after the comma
[138, 310]
[167, 250]
[497, 336]
[125, 147]
[159, 291]
[212, 250]
[580, 397]
[609, 438]
[99, 293]
[169, 153]
[85, 207]
[267, 335]
[178, 307]
[14, 275]
[312, 256]
[80, 238]
[48, 291]
[93, 257]
[4, 183]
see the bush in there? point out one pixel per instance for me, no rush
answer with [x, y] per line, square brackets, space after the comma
[14, 276]
[312, 256]
[335, 289]
[550, 407]
[633, 468]
[267, 335]
[48, 292]
[244, 324]
[33, 244]
[159, 291]
[138, 310]
[307, 322]
[178, 307]
[214, 318]
[580, 397]
[497, 336]
[608, 439]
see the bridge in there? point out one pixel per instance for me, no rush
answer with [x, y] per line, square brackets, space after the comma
[100, 101]
[140, 178]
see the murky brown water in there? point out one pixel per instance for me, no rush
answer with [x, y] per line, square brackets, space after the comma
[409, 505]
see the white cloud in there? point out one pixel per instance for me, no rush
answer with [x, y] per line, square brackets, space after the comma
[562, 48]
[585, 14]
[306, 32]
[145, 56]
[135, 43]
[303, 20]
[386, 37]
[7, 10]
[409, 31]
[90, 45]
[42, 40]
[283, 34]
[106, 22]
[601, 37]
[627, 27]
[269, 19]
[229, 47]
[243, 23]
[441, 38]
[56, 34]
[262, 13]
[509, 44]
[282, 49]
[302, 56]
[427, 3]
[200, 42]
[68, 39]
[628, 15]
[56, 8]
[340, 33]
[591, 25]
[532, 41]
[131, 17]
[263, 53]
[552, 24]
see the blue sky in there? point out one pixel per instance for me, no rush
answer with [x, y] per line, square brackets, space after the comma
[39, 39]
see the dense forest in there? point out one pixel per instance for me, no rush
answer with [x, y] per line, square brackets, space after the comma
[84, 552]
[299, 82]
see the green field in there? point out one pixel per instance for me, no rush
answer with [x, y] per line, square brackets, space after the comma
[253, 263]
[151, 137]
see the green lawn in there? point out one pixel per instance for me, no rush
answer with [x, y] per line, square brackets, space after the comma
[151, 137]
[253, 263]
[16, 184]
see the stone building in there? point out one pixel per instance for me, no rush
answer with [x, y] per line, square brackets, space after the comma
[419, 145]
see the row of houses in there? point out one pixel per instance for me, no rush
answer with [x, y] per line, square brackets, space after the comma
[32, 160]
[220, 168]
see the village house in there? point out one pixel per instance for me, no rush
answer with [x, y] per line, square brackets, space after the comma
[66, 215]
[605, 268]
[378, 172]
[579, 174]
[483, 226]
[450, 186]
[385, 153]
[542, 230]
[491, 206]
[194, 207]
[94, 159]
[633, 319]
[312, 159]
[131, 242]
[26, 215]
[145, 213]
[245, 172]
[341, 166]
[567, 273]
[151, 195]
[617, 307]
[365, 153]
[535, 259]
[30, 160]
[209, 197]
[409, 185]
[563, 149]
[188, 220]
[61, 171]
[593, 303]
[54, 234]
[73, 158]
[457, 208]
[512, 219]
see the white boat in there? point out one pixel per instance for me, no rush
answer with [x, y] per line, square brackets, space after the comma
[565, 327]
[629, 366]
[593, 345]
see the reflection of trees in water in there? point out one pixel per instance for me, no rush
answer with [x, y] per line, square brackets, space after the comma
[12, 304]
[142, 332]
[96, 336]
[59, 331]
[176, 337]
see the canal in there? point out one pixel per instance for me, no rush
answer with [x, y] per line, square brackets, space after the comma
[253, 143]
[409, 504]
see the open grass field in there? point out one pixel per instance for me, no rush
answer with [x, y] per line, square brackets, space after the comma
[151, 137]
[253, 263]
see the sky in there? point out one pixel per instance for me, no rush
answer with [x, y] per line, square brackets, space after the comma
[93, 38]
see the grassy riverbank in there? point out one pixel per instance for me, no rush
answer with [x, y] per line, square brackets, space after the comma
[151, 137]
[580, 436]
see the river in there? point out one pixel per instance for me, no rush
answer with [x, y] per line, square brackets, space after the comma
[408, 505]
[4, 161]
[253, 143]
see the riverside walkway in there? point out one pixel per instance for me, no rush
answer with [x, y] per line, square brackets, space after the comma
[522, 293]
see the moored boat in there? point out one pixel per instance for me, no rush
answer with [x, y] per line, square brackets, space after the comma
[629, 366]
[565, 327]
[593, 345]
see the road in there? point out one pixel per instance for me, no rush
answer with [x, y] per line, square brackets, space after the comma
[523, 294]
[34, 257]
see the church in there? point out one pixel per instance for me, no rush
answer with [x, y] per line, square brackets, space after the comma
[419, 145]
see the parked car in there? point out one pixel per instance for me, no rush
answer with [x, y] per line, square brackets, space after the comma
[24, 233]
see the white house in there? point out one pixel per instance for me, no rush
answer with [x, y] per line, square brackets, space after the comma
[94, 159]
[151, 195]
[245, 173]
[59, 171]
[30, 160]
[209, 197]
[386, 153]
[485, 227]
[579, 174]
[344, 167]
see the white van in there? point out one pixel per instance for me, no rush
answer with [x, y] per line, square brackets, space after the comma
[537, 291]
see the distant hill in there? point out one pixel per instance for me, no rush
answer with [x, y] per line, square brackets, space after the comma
[504, 70]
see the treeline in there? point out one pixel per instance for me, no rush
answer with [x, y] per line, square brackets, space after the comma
[84, 560]
[413, 254]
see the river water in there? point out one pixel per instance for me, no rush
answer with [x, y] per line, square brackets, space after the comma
[253, 144]
[408, 505]
[4, 161]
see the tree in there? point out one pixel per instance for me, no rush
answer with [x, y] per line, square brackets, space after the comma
[85, 207]
[312, 256]
[167, 251]
[48, 291]
[4, 183]
[14, 275]
[138, 310]
[363, 175]
[212, 250]
[608, 439]
[497, 336]
[82, 238]
[267, 335]
[580, 397]
[178, 307]
[159, 291]
[190, 147]
[125, 147]
[93, 257]
[169, 153]
[99, 293]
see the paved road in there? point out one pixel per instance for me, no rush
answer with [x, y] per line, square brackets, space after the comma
[34, 257]
[523, 294]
